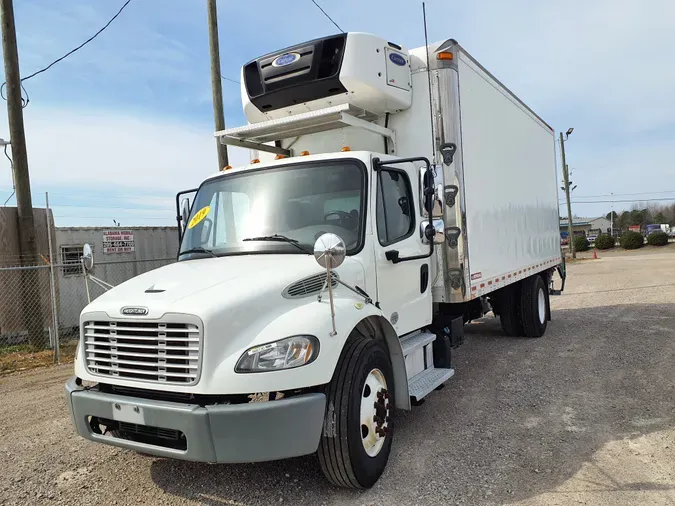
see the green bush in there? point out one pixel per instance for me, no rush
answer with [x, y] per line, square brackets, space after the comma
[604, 241]
[581, 243]
[631, 240]
[658, 238]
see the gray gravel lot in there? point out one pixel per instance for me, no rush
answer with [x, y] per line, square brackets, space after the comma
[584, 415]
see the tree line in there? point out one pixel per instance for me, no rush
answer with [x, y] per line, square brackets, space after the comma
[644, 215]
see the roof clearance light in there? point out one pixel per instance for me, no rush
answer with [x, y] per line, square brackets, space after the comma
[227, 167]
[279, 157]
[304, 153]
[345, 148]
[255, 160]
[445, 55]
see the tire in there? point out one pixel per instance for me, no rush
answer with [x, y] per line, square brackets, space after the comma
[509, 310]
[534, 303]
[342, 452]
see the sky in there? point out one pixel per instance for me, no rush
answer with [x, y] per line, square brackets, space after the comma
[117, 128]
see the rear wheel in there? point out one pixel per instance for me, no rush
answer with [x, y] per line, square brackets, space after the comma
[509, 310]
[357, 434]
[534, 303]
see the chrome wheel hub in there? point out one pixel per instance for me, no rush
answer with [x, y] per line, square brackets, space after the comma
[375, 412]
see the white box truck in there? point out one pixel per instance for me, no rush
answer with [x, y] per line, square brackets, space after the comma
[426, 192]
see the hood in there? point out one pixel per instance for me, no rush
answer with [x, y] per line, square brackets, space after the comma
[200, 285]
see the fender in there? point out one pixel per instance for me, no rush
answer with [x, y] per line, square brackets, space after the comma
[314, 319]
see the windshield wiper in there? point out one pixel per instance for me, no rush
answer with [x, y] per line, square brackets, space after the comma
[280, 238]
[198, 249]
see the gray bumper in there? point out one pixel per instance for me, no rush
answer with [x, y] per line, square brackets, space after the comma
[233, 433]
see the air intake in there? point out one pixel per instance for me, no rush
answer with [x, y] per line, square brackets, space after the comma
[308, 286]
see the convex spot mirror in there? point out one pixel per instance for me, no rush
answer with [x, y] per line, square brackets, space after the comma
[330, 251]
[434, 231]
[87, 257]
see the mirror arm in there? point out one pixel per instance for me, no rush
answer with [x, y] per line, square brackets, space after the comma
[395, 259]
[392, 255]
[378, 164]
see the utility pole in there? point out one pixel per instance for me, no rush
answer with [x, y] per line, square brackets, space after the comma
[216, 83]
[30, 289]
[566, 183]
[611, 215]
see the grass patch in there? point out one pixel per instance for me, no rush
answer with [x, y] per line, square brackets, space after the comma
[21, 357]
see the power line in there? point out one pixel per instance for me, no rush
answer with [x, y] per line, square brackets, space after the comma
[615, 201]
[11, 168]
[326, 14]
[140, 218]
[622, 194]
[84, 206]
[99, 196]
[228, 79]
[78, 47]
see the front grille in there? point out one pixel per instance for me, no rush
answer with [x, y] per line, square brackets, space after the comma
[146, 351]
[309, 286]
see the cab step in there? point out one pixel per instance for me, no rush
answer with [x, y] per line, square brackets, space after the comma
[415, 340]
[427, 381]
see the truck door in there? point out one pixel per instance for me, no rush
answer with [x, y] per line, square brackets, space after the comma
[404, 288]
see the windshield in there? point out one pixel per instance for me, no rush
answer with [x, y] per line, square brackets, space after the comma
[300, 202]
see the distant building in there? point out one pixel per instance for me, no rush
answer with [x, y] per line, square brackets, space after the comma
[586, 225]
[119, 254]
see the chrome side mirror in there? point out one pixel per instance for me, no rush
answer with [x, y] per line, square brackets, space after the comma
[427, 181]
[87, 258]
[184, 212]
[432, 231]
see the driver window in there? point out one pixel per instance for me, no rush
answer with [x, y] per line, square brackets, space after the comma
[395, 209]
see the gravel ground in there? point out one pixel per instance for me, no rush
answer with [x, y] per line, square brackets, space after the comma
[584, 415]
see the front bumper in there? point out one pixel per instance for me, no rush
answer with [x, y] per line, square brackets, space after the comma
[224, 433]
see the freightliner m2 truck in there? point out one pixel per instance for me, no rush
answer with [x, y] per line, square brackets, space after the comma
[394, 195]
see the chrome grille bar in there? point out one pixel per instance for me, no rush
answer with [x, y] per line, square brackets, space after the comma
[163, 352]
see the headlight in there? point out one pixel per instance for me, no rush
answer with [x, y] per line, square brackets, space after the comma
[283, 354]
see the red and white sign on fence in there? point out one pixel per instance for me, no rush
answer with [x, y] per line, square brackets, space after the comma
[118, 241]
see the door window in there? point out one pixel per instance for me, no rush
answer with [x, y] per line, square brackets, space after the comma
[395, 207]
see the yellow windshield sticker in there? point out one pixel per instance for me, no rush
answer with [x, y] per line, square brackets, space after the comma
[199, 216]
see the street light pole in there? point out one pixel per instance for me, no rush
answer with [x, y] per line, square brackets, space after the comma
[566, 183]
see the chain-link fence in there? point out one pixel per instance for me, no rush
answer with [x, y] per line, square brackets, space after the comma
[40, 305]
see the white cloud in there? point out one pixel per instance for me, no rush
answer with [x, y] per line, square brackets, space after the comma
[108, 149]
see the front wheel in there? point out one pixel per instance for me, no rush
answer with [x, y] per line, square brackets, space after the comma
[357, 435]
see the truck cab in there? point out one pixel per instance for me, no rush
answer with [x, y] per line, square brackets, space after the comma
[317, 289]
